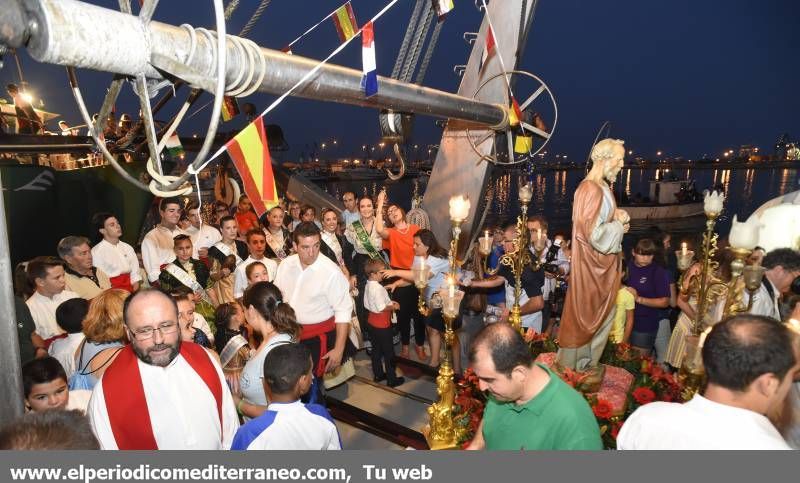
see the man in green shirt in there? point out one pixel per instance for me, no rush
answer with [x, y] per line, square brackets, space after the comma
[529, 406]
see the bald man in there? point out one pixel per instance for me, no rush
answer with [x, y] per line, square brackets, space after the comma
[161, 393]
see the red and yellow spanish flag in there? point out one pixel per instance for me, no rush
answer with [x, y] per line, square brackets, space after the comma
[230, 108]
[514, 113]
[250, 154]
[345, 21]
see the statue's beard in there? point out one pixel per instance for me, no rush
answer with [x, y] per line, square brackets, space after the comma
[610, 174]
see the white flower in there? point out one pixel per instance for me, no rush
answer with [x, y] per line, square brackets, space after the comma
[713, 202]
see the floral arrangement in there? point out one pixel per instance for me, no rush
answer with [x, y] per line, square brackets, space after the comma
[645, 381]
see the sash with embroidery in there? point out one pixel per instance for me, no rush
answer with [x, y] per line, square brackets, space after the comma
[366, 244]
[231, 349]
[226, 250]
[184, 278]
[280, 253]
[340, 253]
[126, 402]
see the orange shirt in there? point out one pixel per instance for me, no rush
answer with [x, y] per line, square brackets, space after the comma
[246, 221]
[401, 247]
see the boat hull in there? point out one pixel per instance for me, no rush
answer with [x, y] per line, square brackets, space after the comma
[663, 212]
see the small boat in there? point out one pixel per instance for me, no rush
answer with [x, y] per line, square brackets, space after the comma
[668, 199]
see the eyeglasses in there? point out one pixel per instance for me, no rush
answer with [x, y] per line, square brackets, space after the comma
[146, 333]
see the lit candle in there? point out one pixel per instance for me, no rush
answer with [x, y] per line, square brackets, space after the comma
[459, 208]
[684, 248]
[485, 243]
[452, 289]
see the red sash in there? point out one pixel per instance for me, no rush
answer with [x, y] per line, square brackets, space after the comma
[48, 342]
[380, 320]
[122, 281]
[126, 402]
[321, 329]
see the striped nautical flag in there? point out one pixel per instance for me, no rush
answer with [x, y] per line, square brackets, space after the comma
[345, 21]
[174, 146]
[230, 108]
[250, 154]
[488, 48]
[443, 7]
[370, 80]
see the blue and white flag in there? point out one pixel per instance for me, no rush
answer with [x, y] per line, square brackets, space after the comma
[370, 80]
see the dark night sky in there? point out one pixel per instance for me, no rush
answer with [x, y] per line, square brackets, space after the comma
[684, 76]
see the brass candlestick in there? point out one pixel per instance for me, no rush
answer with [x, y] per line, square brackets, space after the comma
[519, 258]
[442, 431]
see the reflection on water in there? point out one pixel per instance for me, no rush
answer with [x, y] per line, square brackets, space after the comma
[746, 189]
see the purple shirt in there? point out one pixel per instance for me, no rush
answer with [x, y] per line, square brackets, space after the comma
[650, 282]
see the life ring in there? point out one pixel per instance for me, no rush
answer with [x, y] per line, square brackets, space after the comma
[232, 194]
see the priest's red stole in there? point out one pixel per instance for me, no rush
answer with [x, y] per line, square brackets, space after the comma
[125, 400]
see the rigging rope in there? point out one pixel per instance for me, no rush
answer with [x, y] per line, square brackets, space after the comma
[401, 55]
[256, 15]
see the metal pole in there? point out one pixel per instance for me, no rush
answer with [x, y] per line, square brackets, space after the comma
[10, 375]
[64, 30]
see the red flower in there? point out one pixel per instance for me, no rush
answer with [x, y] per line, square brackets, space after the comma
[602, 409]
[644, 395]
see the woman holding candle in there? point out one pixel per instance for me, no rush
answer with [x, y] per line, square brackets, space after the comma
[428, 253]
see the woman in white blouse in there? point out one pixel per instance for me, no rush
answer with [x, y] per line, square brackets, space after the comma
[275, 322]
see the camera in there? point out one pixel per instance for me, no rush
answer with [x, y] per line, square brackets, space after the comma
[549, 265]
[795, 287]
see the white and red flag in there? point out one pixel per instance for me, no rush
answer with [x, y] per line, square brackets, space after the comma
[370, 80]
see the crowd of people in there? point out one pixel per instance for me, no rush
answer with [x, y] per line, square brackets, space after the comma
[222, 333]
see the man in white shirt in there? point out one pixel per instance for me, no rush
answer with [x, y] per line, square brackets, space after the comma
[350, 212]
[319, 293]
[46, 274]
[81, 276]
[161, 393]
[750, 362]
[69, 316]
[256, 245]
[203, 235]
[783, 266]
[114, 256]
[157, 244]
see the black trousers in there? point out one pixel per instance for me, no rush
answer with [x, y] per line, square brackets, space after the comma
[361, 283]
[382, 353]
[407, 298]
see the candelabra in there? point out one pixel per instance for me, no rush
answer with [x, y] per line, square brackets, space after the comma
[520, 257]
[421, 273]
[442, 431]
[707, 288]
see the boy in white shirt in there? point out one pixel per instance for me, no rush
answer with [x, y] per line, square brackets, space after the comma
[288, 424]
[379, 325]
